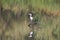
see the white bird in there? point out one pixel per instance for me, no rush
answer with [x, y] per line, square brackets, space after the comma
[31, 17]
[31, 33]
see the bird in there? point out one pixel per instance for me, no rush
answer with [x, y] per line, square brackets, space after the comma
[31, 34]
[31, 16]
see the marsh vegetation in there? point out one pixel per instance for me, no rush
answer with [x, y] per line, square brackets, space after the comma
[14, 19]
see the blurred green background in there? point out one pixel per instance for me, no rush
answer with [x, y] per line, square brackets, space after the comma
[14, 21]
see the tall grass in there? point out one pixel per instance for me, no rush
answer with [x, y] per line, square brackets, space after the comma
[37, 3]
